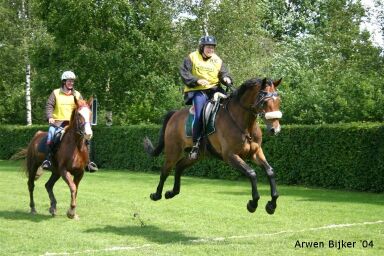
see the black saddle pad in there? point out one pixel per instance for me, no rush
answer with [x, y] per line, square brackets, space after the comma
[43, 145]
[209, 116]
[43, 148]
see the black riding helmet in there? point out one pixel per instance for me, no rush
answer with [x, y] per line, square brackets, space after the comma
[206, 40]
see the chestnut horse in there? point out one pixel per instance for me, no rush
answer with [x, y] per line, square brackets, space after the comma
[69, 160]
[237, 137]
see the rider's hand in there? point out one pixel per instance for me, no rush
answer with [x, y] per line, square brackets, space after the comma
[203, 82]
[227, 80]
[51, 120]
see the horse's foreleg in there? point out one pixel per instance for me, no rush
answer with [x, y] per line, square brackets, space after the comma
[240, 165]
[71, 213]
[259, 159]
[180, 167]
[49, 187]
[77, 179]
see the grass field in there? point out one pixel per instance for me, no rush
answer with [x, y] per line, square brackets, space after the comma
[209, 217]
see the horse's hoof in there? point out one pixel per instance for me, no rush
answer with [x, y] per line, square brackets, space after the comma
[169, 194]
[72, 214]
[251, 206]
[155, 196]
[33, 211]
[270, 208]
[52, 211]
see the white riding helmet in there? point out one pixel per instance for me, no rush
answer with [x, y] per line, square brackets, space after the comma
[68, 75]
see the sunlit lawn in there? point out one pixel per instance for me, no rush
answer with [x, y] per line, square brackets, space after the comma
[209, 217]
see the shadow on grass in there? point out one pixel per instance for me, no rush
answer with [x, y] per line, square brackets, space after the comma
[20, 215]
[317, 195]
[149, 232]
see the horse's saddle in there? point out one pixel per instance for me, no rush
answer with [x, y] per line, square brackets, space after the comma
[43, 148]
[209, 116]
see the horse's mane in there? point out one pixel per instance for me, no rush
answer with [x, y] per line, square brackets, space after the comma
[248, 84]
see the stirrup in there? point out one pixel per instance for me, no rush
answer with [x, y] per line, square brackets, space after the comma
[91, 167]
[46, 165]
[194, 154]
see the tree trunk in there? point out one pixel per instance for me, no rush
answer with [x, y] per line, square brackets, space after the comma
[28, 66]
[28, 94]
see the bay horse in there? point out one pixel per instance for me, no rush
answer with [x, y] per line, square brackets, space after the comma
[237, 138]
[69, 160]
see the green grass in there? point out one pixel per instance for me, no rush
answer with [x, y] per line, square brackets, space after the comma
[209, 217]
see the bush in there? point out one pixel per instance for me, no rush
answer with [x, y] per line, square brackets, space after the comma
[345, 156]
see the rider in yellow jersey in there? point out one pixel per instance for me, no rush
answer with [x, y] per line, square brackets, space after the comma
[58, 111]
[202, 72]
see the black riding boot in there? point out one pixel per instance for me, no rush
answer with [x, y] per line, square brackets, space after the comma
[196, 136]
[47, 164]
[91, 166]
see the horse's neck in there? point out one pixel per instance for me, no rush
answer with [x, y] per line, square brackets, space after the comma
[243, 118]
[71, 137]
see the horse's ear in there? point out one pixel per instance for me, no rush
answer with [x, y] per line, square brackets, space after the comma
[277, 82]
[264, 84]
[90, 101]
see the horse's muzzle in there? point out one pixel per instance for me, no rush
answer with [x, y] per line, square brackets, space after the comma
[88, 131]
[273, 129]
[271, 119]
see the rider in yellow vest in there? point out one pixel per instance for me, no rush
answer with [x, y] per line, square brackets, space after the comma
[58, 111]
[202, 73]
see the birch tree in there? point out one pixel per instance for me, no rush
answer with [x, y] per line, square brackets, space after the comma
[27, 32]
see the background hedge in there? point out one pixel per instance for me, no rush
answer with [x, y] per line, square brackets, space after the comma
[344, 156]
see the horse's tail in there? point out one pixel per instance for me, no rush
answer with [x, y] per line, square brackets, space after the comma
[22, 154]
[149, 148]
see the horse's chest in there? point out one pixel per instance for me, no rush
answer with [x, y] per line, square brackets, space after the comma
[249, 149]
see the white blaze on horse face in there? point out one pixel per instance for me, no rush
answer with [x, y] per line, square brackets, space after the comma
[272, 117]
[86, 114]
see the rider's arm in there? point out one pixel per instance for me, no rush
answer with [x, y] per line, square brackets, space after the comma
[50, 106]
[186, 73]
[224, 73]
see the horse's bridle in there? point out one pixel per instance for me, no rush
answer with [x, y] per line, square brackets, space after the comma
[256, 108]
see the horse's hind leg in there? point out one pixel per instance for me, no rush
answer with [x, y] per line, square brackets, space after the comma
[31, 187]
[242, 166]
[180, 167]
[49, 187]
[32, 170]
[259, 158]
[163, 177]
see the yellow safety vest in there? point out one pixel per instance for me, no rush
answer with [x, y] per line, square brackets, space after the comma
[64, 106]
[208, 70]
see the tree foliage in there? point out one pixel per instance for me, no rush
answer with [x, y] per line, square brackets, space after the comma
[127, 54]
[11, 52]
